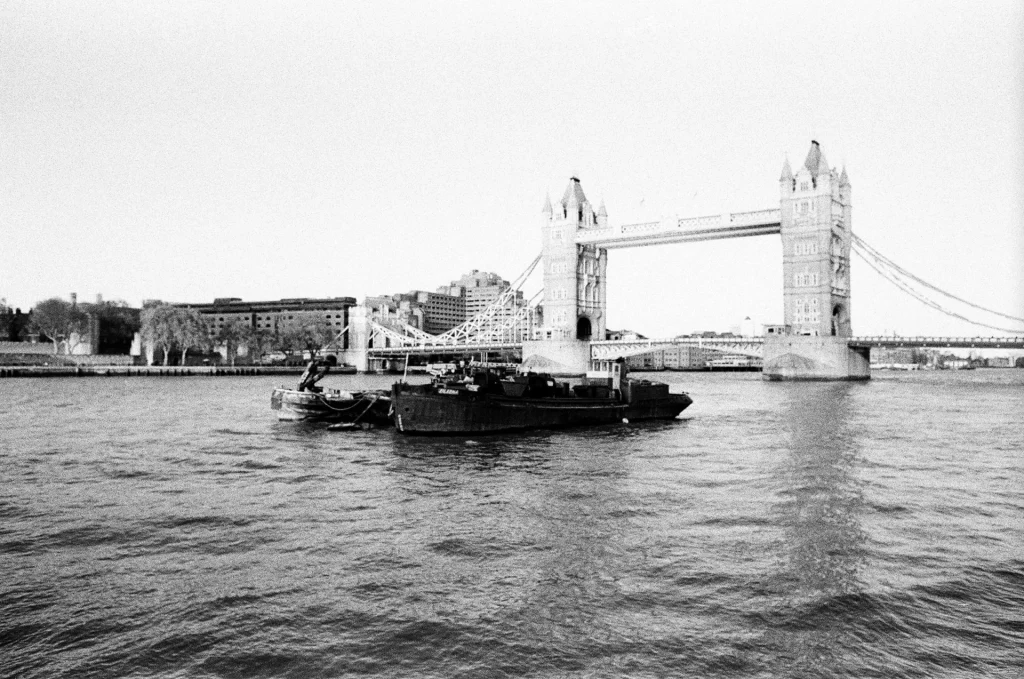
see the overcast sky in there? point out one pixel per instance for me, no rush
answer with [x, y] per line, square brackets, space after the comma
[191, 150]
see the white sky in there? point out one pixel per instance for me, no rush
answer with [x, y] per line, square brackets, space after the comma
[192, 150]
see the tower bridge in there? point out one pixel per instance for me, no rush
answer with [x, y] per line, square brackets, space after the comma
[814, 220]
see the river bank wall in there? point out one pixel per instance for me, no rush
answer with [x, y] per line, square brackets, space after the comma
[144, 370]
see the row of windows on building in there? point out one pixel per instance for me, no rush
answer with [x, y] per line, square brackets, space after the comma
[805, 279]
[803, 208]
[805, 246]
[587, 266]
[558, 266]
[268, 321]
[680, 357]
[245, 317]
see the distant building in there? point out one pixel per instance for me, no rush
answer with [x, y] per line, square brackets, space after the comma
[480, 289]
[275, 316]
[681, 357]
[628, 335]
[685, 357]
[432, 312]
[896, 357]
[447, 307]
[652, 360]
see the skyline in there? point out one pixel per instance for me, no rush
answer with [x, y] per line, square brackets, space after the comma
[197, 151]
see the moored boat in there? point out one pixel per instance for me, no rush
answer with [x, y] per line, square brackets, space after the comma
[488, 401]
[311, 402]
[332, 405]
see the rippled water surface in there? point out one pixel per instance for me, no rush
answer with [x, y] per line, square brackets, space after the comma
[172, 527]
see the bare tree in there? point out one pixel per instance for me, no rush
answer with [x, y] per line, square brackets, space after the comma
[59, 320]
[158, 322]
[190, 331]
[288, 340]
[231, 335]
[256, 341]
[313, 332]
[6, 320]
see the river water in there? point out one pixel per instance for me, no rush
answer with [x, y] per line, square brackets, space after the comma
[172, 527]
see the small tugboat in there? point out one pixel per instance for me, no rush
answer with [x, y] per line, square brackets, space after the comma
[484, 400]
[343, 408]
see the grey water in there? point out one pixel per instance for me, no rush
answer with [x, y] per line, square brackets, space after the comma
[171, 527]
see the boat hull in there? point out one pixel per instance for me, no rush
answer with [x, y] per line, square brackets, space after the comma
[331, 406]
[423, 412]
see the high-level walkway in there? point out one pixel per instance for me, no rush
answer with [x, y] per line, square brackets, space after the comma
[686, 230]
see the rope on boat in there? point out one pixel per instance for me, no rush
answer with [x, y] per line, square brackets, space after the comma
[373, 400]
[345, 410]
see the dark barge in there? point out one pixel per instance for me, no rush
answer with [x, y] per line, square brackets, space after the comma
[487, 401]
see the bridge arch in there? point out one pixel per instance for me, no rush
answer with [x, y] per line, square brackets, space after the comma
[583, 328]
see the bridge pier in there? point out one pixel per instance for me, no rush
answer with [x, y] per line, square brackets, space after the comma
[564, 358]
[358, 339]
[797, 357]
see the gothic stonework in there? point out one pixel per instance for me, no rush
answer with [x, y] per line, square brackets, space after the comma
[815, 226]
[574, 274]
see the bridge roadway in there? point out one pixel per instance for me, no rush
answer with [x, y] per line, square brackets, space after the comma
[749, 346]
[939, 342]
[686, 230]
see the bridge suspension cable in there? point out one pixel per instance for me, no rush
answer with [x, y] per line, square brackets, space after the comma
[899, 276]
[861, 243]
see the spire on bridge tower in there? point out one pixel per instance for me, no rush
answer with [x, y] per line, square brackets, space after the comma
[573, 193]
[787, 172]
[816, 162]
[547, 205]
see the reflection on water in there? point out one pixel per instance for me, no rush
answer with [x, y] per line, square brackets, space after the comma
[820, 508]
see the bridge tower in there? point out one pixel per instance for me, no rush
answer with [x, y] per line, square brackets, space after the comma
[575, 283]
[815, 226]
[815, 223]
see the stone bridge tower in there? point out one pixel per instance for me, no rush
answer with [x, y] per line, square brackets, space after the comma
[815, 225]
[575, 285]
[574, 274]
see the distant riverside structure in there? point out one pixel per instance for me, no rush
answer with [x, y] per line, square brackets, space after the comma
[447, 307]
[274, 316]
[480, 289]
[685, 357]
[431, 312]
